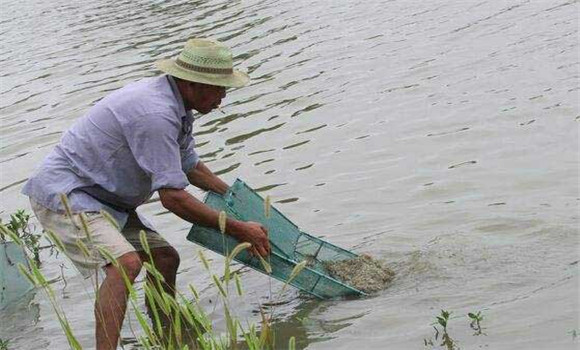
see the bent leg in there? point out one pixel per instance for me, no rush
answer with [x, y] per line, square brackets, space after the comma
[163, 256]
[111, 300]
[166, 261]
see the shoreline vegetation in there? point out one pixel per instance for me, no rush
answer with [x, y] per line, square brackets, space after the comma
[189, 326]
[19, 225]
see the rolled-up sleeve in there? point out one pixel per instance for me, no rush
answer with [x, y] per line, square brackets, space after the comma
[153, 141]
[189, 157]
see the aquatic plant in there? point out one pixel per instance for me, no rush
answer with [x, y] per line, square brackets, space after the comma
[443, 320]
[475, 324]
[4, 344]
[20, 227]
[446, 340]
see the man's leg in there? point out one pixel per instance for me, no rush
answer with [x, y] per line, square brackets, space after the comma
[166, 261]
[111, 300]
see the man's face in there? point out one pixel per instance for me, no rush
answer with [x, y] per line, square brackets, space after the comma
[202, 97]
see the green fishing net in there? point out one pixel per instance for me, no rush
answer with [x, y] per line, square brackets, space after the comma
[289, 245]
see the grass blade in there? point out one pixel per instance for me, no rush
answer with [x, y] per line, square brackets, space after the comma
[219, 286]
[222, 221]
[238, 284]
[265, 264]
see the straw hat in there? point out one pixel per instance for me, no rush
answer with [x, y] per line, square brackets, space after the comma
[205, 61]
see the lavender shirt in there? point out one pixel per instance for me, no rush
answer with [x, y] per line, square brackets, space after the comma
[132, 143]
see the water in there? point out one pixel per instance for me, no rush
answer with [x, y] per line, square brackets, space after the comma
[440, 136]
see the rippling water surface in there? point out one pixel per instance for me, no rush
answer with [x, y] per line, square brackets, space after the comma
[440, 136]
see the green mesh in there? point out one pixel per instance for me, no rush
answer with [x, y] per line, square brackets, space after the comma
[289, 245]
[13, 285]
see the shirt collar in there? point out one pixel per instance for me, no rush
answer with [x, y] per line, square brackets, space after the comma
[182, 112]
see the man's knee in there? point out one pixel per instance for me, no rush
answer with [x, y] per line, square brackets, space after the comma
[131, 264]
[166, 258]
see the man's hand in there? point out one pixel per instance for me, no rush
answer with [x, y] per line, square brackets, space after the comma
[253, 233]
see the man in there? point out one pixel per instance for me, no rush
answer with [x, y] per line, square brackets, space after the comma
[132, 143]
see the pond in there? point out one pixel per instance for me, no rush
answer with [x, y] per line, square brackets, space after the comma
[438, 136]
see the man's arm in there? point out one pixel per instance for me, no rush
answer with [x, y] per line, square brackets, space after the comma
[200, 176]
[187, 207]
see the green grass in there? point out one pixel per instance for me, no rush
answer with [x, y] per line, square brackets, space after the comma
[19, 227]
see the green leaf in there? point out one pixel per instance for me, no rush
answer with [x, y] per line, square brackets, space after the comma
[238, 284]
[24, 271]
[55, 240]
[194, 292]
[238, 249]
[144, 242]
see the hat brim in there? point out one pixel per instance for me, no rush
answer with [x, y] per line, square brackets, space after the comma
[235, 80]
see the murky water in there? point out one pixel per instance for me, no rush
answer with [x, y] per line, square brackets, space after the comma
[439, 136]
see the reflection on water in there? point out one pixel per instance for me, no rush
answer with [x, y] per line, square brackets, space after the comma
[304, 324]
[439, 136]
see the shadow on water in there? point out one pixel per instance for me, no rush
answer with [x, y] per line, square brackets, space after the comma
[302, 321]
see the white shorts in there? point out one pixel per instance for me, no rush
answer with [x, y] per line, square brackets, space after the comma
[102, 235]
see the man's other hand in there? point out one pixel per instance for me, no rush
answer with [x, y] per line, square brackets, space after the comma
[255, 234]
